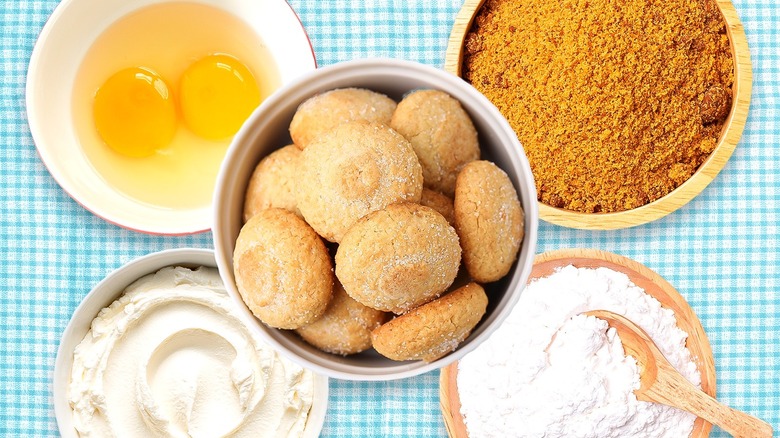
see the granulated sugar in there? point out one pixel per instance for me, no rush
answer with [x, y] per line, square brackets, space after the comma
[521, 382]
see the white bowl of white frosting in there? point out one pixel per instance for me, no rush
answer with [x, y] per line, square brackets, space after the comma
[158, 349]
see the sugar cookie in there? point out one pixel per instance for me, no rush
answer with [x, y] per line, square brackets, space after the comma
[442, 134]
[323, 112]
[489, 220]
[345, 327]
[434, 329]
[355, 169]
[273, 183]
[439, 202]
[283, 270]
[398, 258]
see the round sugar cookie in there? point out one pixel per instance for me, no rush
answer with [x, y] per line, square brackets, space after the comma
[439, 202]
[489, 220]
[283, 270]
[345, 327]
[398, 258]
[323, 112]
[273, 183]
[442, 134]
[432, 330]
[355, 169]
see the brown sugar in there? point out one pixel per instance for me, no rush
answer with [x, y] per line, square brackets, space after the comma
[616, 102]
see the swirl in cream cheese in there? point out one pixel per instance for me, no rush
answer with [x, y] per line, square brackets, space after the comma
[172, 358]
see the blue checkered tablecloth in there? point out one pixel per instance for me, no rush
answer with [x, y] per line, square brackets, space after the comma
[720, 250]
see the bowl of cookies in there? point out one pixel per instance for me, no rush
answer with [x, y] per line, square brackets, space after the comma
[375, 219]
[625, 113]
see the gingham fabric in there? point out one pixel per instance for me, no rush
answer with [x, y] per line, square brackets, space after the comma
[720, 250]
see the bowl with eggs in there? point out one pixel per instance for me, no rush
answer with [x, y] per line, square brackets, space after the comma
[132, 104]
[375, 219]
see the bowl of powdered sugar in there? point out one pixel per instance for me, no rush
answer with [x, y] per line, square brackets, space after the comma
[555, 372]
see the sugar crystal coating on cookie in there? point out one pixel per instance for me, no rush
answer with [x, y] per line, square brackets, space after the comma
[398, 258]
[489, 220]
[273, 182]
[442, 135]
[353, 170]
[321, 113]
[345, 327]
[283, 270]
[439, 202]
[432, 330]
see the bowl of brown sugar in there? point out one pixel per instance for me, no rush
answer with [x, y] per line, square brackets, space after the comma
[626, 110]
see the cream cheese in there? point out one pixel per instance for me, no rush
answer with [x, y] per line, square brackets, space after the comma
[172, 358]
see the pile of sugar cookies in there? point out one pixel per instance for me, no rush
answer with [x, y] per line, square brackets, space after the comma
[355, 233]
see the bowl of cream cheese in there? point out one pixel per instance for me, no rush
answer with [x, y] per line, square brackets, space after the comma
[157, 348]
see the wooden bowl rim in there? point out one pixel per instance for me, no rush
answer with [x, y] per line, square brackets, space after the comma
[642, 276]
[729, 137]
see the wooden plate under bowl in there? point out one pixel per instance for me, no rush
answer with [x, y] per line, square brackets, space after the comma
[729, 137]
[544, 265]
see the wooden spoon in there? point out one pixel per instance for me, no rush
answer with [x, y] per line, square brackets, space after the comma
[660, 382]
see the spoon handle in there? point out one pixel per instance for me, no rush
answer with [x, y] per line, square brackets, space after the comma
[697, 402]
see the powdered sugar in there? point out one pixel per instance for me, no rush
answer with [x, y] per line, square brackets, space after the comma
[525, 382]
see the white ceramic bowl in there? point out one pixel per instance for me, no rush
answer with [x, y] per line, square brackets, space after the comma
[267, 130]
[63, 43]
[109, 290]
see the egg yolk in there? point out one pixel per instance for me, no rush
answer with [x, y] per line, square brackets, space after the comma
[134, 112]
[216, 94]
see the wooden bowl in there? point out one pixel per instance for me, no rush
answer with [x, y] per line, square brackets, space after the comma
[729, 137]
[640, 275]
